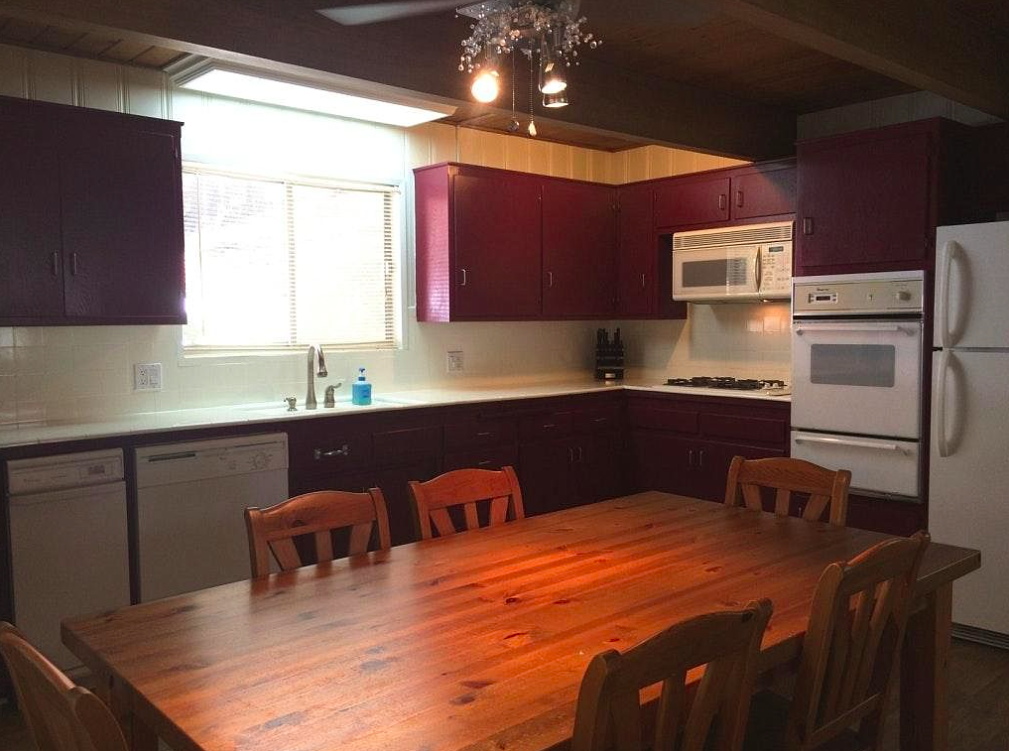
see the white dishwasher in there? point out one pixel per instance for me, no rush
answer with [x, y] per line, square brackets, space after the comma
[69, 543]
[191, 499]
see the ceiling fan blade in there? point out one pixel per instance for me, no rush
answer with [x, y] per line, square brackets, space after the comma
[358, 15]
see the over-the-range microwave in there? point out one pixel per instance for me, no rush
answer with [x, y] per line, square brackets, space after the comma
[733, 264]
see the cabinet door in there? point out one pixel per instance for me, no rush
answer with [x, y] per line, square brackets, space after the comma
[865, 203]
[637, 252]
[680, 202]
[659, 461]
[123, 242]
[497, 246]
[545, 475]
[598, 467]
[579, 249]
[31, 274]
[763, 193]
[711, 466]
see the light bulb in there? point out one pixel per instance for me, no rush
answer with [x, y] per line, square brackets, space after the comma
[552, 78]
[532, 128]
[485, 86]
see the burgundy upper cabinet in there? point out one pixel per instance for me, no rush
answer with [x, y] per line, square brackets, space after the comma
[868, 201]
[579, 249]
[637, 252]
[31, 265]
[692, 200]
[763, 191]
[478, 244]
[121, 194]
[90, 217]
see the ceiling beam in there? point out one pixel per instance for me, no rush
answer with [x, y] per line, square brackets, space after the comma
[923, 43]
[421, 56]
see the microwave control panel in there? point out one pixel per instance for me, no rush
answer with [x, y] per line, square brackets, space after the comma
[776, 270]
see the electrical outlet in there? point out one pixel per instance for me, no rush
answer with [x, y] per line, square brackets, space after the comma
[147, 376]
[454, 361]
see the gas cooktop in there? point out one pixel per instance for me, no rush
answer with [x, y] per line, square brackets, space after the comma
[771, 386]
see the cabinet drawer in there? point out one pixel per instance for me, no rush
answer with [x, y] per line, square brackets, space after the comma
[393, 446]
[603, 417]
[475, 433]
[319, 451]
[746, 429]
[648, 416]
[494, 457]
[549, 425]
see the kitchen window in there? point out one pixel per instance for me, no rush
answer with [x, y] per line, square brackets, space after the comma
[277, 263]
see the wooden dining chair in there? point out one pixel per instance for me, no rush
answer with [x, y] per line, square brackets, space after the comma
[466, 488]
[609, 714]
[827, 490]
[856, 629]
[318, 514]
[60, 715]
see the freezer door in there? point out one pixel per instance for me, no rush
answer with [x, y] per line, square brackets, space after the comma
[972, 285]
[969, 474]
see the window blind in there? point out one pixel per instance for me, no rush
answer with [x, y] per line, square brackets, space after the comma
[279, 263]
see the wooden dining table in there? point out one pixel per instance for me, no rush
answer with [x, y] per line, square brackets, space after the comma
[478, 641]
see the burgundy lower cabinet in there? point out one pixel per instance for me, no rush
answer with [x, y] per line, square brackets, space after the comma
[887, 516]
[685, 444]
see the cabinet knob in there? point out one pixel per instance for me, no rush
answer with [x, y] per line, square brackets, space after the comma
[464, 279]
[722, 201]
[73, 264]
[807, 225]
[550, 279]
[739, 199]
[55, 262]
[642, 281]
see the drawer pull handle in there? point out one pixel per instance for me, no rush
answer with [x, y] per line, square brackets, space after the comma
[601, 419]
[484, 463]
[342, 451]
[483, 434]
[548, 425]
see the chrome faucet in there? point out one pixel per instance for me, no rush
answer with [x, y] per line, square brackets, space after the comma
[310, 402]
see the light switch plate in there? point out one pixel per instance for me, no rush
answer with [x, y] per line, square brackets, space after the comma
[454, 361]
[147, 376]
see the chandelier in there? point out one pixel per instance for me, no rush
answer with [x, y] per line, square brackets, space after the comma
[547, 32]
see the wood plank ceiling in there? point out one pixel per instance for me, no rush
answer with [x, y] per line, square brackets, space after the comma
[94, 45]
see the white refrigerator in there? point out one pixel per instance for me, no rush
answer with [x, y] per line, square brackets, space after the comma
[969, 448]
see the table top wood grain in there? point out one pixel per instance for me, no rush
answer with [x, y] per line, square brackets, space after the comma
[474, 641]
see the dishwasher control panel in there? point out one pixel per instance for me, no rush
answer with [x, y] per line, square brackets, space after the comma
[26, 476]
[205, 460]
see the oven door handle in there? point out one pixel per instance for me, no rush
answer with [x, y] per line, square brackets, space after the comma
[806, 438]
[860, 329]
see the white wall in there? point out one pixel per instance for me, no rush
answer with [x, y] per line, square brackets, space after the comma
[918, 105]
[85, 373]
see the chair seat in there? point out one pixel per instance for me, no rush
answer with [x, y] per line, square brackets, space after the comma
[766, 728]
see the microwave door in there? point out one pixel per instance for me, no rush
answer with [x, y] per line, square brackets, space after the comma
[715, 274]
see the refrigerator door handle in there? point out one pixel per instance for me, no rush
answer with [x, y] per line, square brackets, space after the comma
[941, 440]
[949, 250]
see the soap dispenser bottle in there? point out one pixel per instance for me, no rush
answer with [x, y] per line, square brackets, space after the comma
[361, 390]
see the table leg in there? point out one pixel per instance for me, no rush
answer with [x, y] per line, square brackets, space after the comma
[139, 737]
[924, 675]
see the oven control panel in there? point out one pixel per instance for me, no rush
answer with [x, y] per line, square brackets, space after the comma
[859, 294]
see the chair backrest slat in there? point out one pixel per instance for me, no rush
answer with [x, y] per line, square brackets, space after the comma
[465, 488]
[827, 489]
[60, 716]
[316, 515]
[856, 626]
[608, 712]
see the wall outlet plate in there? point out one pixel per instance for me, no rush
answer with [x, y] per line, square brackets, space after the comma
[454, 362]
[147, 376]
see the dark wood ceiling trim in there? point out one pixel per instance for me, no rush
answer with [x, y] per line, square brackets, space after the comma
[927, 45]
[421, 58]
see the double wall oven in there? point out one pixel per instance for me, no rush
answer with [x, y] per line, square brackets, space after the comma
[857, 348]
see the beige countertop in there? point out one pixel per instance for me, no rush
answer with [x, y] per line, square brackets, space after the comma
[159, 422]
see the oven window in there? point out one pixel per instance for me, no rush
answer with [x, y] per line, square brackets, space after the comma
[721, 273]
[853, 364]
